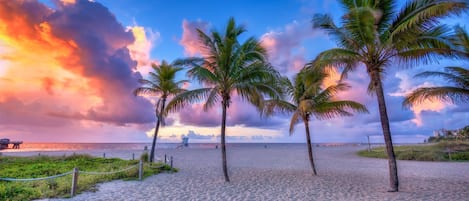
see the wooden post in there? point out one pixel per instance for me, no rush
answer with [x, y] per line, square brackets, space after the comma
[171, 161]
[449, 154]
[133, 156]
[165, 159]
[104, 155]
[140, 170]
[74, 181]
[369, 145]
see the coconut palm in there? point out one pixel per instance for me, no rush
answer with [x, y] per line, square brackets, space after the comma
[375, 35]
[458, 76]
[307, 98]
[161, 84]
[228, 67]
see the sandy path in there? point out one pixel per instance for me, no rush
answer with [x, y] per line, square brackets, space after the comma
[282, 172]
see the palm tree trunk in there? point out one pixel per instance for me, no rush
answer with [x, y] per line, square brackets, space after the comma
[383, 114]
[157, 127]
[223, 146]
[310, 148]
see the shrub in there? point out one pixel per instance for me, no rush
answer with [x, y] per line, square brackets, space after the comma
[145, 157]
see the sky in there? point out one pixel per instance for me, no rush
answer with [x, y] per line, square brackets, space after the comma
[68, 69]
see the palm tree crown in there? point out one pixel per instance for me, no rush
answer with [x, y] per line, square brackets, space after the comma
[226, 67]
[161, 84]
[374, 34]
[308, 98]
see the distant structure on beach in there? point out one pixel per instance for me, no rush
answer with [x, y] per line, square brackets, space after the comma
[185, 141]
[5, 142]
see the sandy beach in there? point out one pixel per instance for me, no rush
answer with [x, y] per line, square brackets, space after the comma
[282, 172]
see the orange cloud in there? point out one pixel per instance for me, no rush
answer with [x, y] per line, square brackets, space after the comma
[54, 74]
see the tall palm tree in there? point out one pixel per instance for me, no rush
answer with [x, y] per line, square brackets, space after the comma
[458, 76]
[375, 35]
[162, 84]
[227, 67]
[306, 98]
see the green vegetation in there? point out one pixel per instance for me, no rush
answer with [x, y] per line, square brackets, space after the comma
[44, 166]
[441, 151]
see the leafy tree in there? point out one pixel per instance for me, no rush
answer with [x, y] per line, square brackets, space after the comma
[228, 67]
[307, 98]
[162, 84]
[373, 34]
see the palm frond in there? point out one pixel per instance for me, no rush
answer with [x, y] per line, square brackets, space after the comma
[188, 97]
[296, 117]
[417, 14]
[445, 94]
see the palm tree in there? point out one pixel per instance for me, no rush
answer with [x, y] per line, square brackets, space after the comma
[306, 98]
[162, 84]
[227, 67]
[374, 34]
[458, 76]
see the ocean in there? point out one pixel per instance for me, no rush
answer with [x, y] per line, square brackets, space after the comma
[34, 147]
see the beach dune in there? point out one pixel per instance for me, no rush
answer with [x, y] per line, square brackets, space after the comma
[282, 172]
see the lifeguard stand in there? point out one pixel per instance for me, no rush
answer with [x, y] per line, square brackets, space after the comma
[185, 141]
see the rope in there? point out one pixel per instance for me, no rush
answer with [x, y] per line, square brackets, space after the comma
[67, 173]
[36, 179]
[103, 173]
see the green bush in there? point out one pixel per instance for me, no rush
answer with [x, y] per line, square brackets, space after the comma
[429, 152]
[44, 166]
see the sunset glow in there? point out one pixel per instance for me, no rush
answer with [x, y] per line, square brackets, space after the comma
[68, 69]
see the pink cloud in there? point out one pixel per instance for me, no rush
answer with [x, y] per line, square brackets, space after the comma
[190, 38]
[285, 46]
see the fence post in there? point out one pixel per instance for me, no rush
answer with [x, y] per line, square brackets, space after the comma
[171, 160]
[133, 156]
[104, 155]
[449, 154]
[140, 170]
[369, 145]
[165, 159]
[74, 181]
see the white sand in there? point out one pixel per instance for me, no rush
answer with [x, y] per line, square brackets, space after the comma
[282, 172]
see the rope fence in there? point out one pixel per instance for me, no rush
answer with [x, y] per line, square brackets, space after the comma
[113, 172]
[37, 179]
[75, 172]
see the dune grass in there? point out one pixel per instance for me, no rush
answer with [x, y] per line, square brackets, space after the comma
[44, 166]
[441, 151]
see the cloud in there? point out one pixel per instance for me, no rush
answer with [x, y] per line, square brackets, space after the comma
[406, 86]
[190, 38]
[142, 46]
[240, 113]
[286, 46]
[193, 135]
[78, 66]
